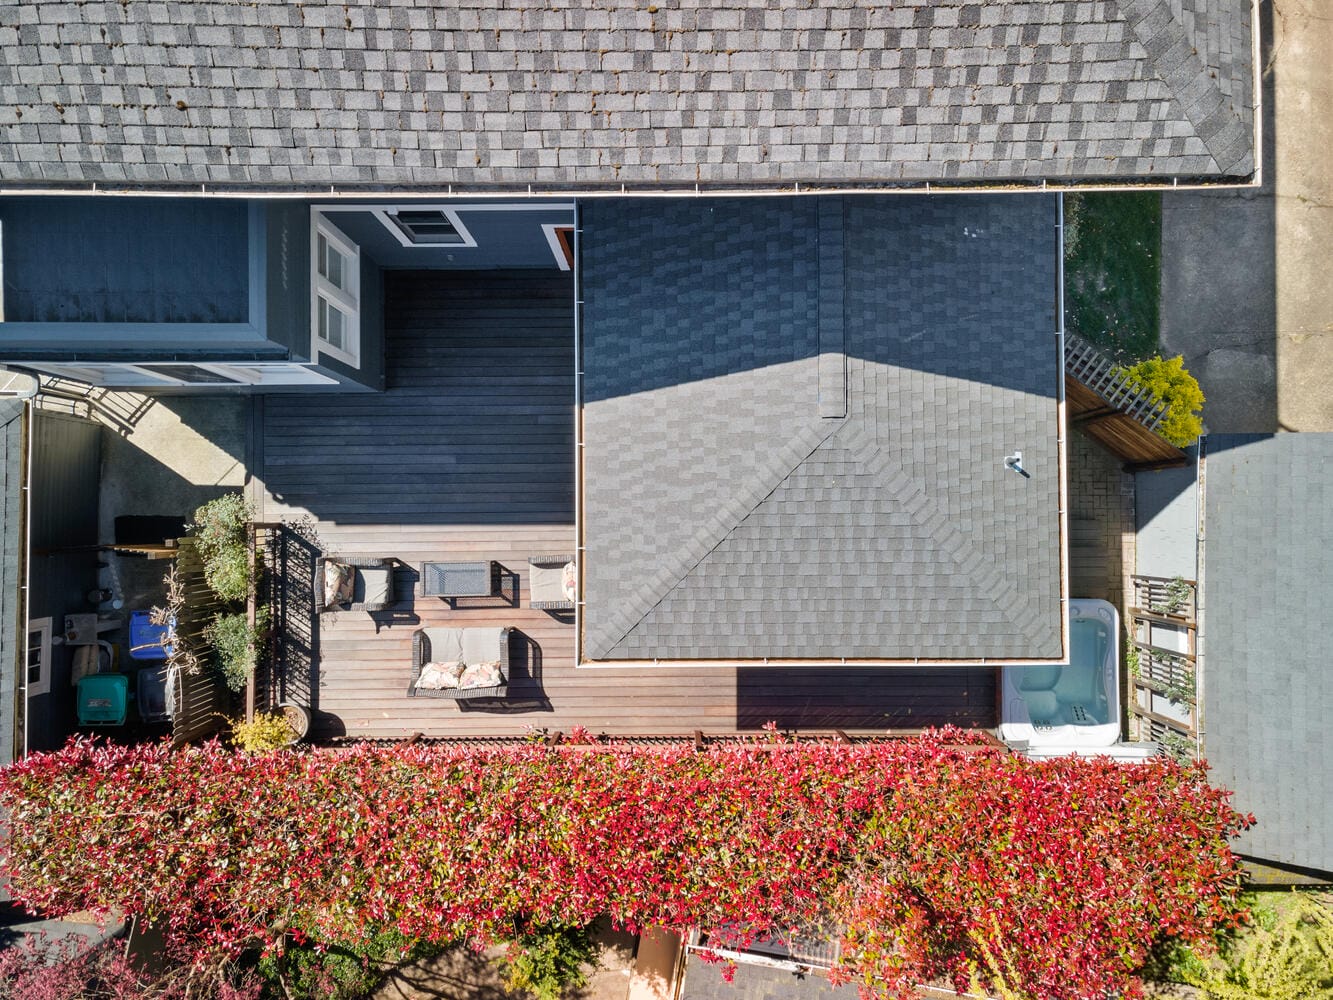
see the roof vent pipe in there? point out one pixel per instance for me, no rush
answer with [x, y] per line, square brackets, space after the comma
[1014, 462]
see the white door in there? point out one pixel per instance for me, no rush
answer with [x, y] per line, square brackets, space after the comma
[335, 290]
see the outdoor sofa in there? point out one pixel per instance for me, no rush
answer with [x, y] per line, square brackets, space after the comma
[449, 662]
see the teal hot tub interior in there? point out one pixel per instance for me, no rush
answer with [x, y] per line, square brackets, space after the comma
[1076, 694]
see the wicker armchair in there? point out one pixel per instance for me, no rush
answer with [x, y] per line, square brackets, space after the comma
[374, 583]
[466, 645]
[546, 584]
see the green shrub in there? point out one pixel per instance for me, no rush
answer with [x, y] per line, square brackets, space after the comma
[342, 971]
[547, 959]
[1167, 381]
[1284, 956]
[235, 647]
[219, 534]
[266, 732]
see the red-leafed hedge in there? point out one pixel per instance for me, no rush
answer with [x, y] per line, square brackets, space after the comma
[1047, 879]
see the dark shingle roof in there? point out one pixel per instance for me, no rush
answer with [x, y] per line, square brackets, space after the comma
[752, 491]
[1267, 686]
[274, 94]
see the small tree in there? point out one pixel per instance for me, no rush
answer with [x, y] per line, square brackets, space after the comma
[1167, 381]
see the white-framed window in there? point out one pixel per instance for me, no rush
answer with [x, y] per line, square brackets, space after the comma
[335, 294]
[37, 661]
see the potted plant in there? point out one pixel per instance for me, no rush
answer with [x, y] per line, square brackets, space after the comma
[298, 718]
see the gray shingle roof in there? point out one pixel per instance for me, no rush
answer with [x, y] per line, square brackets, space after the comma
[1267, 685]
[743, 498]
[274, 94]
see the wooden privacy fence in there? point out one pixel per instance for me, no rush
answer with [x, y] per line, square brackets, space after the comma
[201, 697]
[1163, 630]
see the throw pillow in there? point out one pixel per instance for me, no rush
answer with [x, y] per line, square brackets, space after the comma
[440, 676]
[481, 675]
[339, 583]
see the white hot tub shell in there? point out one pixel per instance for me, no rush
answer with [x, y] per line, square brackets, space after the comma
[1071, 708]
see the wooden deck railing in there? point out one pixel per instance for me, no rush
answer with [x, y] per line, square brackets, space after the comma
[287, 667]
[698, 739]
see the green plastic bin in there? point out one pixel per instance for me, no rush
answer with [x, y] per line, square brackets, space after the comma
[103, 699]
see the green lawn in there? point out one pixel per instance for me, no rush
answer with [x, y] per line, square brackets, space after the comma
[1113, 250]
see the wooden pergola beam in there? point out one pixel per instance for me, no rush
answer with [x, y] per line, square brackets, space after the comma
[1161, 463]
[1092, 416]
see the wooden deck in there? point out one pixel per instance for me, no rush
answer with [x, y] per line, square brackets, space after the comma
[469, 455]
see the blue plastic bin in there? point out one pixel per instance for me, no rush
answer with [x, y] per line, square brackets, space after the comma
[103, 699]
[146, 639]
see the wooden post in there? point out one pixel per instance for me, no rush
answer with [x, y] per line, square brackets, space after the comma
[252, 617]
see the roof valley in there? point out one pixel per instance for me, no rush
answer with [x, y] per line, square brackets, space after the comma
[1174, 59]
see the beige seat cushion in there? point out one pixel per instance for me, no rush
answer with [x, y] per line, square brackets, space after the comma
[446, 644]
[468, 645]
[481, 645]
[374, 585]
[544, 582]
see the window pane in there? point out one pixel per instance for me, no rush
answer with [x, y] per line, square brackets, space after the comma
[330, 262]
[331, 325]
[335, 328]
[34, 657]
[335, 274]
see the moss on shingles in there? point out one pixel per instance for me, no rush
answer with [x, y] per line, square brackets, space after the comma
[1113, 276]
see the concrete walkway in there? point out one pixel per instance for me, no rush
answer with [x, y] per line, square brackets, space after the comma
[1303, 137]
[1246, 295]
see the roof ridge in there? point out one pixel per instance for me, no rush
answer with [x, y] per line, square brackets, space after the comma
[1174, 60]
[740, 503]
[922, 509]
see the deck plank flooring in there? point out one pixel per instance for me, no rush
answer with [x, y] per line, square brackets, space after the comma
[468, 454]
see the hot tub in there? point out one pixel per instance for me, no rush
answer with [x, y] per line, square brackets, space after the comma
[1073, 707]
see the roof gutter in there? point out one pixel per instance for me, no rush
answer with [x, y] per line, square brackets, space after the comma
[458, 191]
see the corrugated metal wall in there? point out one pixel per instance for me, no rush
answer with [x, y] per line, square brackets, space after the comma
[12, 637]
[66, 477]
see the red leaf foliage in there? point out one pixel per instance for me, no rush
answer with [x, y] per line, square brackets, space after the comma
[939, 860]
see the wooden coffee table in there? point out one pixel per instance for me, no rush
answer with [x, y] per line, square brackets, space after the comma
[460, 579]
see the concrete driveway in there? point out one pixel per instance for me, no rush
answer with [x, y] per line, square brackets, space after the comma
[1247, 295]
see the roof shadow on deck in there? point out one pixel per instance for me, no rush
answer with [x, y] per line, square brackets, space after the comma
[476, 425]
[865, 698]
